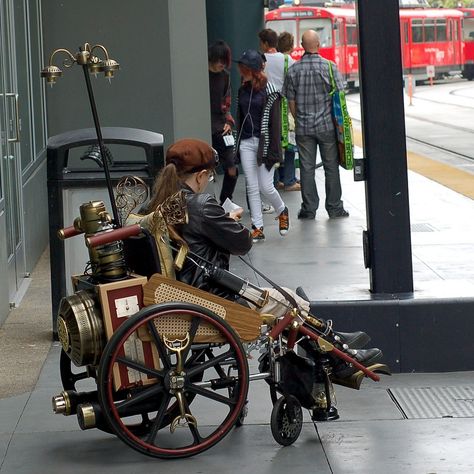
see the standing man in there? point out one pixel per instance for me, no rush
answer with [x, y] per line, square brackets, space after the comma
[276, 67]
[307, 86]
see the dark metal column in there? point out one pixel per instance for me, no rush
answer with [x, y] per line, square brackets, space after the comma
[388, 243]
[237, 22]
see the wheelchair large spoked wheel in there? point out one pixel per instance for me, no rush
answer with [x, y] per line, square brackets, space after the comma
[287, 420]
[189, 352]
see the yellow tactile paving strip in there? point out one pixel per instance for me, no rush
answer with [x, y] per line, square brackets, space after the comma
[449, 176]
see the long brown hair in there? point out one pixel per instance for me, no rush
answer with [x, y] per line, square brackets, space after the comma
[167, 183]
[259, 79]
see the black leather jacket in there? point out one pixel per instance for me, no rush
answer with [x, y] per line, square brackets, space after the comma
[213, 235]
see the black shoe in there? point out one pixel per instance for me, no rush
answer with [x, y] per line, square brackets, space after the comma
[366, 357]
[320, 414]
[301, 293]
[355, 340]
[339, 214]
[306, 215]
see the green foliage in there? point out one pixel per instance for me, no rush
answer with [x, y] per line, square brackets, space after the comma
[451, 3]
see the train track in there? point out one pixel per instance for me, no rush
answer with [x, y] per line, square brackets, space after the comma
[433, 146]
[442, 148]
[455, 93]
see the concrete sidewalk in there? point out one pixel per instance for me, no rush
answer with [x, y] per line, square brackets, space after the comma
[407, 423]
[375, 433]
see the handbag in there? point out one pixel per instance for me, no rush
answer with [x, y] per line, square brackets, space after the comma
[284, 113]
[343, 124]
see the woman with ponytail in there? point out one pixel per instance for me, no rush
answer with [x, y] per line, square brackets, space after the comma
[210, 232]
[214, 235]
[259, 141]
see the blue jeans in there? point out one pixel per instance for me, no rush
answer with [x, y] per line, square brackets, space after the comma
[286, 172]
[307, 148]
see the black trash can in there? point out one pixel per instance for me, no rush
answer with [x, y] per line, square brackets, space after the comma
[72, 181]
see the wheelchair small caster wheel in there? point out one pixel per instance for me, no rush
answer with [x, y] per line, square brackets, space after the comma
[286, 420]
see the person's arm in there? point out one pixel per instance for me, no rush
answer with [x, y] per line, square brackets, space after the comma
[292, 108]
[289, 92]
[340, 83]
[222, 230]
[226, 103]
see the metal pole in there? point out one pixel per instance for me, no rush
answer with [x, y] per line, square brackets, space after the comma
[101, 145]
[387, 241]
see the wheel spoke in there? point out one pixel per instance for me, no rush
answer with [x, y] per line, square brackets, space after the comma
[160, 346]
[158, 420]
[140, 397]
[193, 428]
[210, 363]
[209, 394]
[219, 369]
[196, 354]
[141, 368]
[192, 334]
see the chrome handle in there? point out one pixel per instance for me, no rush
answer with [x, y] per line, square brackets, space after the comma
[17, 121]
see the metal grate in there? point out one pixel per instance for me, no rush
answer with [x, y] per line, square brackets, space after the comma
[422, 227]
[434, 402]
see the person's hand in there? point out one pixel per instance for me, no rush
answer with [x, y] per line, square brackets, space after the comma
[227, 129]
[236, 215]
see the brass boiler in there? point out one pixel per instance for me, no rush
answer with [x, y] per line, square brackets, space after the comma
[107, 261]
[80, 325]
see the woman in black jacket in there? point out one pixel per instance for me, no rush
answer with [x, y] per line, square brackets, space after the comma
[259, 140]
[215, 235]
[222, 122]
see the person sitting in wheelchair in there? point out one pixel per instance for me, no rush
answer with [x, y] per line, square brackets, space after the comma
[215, 235]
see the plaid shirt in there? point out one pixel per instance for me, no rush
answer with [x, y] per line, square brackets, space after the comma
[308, 83]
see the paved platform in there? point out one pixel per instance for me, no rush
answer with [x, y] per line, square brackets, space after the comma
[382, 427]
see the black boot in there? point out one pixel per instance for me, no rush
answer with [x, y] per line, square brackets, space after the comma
[354, 340]
[366, 357]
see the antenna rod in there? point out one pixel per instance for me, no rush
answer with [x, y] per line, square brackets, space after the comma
[101, 145]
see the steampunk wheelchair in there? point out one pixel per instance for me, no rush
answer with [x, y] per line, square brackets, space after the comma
[169, 361]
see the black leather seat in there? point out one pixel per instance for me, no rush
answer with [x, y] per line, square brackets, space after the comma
[141, 254]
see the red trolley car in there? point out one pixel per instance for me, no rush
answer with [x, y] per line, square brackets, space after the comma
[468, 37]
[431, 40]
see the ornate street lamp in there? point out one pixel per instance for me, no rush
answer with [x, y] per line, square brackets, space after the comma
[91, 64]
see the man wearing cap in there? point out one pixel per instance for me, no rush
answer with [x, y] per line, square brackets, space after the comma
[307, 86]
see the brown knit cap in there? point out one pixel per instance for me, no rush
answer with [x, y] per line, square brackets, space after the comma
[192, 155]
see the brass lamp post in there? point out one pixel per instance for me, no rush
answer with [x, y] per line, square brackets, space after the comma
[90, 64]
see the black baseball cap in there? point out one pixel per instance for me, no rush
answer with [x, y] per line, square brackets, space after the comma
[252, 59]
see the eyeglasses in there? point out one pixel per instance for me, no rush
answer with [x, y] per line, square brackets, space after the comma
[212, 176]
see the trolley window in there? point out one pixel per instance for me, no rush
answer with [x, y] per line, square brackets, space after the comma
[441, 30]
[323, 26]
[337, 33]
[417, 31]
[468, 29]
[429, 31]
[283, 25]
[351, 32]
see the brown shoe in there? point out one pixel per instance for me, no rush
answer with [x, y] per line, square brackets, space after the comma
[293, 187]
[283, 222]
[279, 185]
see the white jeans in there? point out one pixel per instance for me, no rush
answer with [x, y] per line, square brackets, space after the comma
[258, 180]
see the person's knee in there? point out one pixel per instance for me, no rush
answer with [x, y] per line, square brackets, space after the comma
[232, 171]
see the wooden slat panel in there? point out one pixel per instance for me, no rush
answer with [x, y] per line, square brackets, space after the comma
[246, 322]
